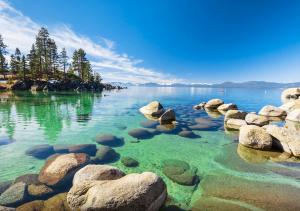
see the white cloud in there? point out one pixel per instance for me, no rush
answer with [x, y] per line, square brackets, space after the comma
[19, 30]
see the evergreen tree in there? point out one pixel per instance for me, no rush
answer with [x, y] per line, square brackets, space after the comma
[3, 52]
[41, 44]
[33, 62]
[98, 78]
[63, 61]
[81, 65]
[15, 62]
[52, 57]
[24, 67]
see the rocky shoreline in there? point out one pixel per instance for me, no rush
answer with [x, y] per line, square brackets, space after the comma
[40, 85]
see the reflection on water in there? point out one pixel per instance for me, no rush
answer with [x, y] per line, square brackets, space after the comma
[64, 118]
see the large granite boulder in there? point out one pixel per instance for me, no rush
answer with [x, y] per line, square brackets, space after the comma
[89, 149]
[40, 151]
[235, 114]
[294, 115]
[109, 140]
[97, 172]
[167, 117]
[180, 172]
[255, 137]
[59, 170]
[227, 107]
[285, 139]
[258, 120]
[153, 109]
[138, 192]
[290, 94]
[235, 124]
[104, 155]
[14, 195]
[213, 103]
[291, 105]
[272, 111]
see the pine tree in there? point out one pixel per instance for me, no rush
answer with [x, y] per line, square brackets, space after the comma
[63, 61]
[81, 65]
[3, 52]
[98, 78]
[33, 62]
[52, 57]
[41, 44]
[24, 67]
[15, 63]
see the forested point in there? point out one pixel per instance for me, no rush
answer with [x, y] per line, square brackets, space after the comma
[44, 68]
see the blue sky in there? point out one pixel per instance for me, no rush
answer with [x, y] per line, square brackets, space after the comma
[169, 41]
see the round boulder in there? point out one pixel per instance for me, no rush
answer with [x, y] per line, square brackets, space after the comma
[290, 94]
[228, 106]
[258, 120]
[154, 109]
[255, 137]
[213, 103]
[180, 172]
[109, 140]
[129, 162]
[140, 133]
[97, 172]
[89, 149]
[59, 170]
[188, 134]
[105, 154]
[14, 195]
[291, 105]
[40, 151]
[168, 117]
[272, 111]
[235, 114]
[139, 192]
[235, 123]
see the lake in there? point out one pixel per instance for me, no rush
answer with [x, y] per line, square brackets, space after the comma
[227, 172]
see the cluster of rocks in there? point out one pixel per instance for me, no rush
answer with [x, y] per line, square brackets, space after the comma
[70, 182]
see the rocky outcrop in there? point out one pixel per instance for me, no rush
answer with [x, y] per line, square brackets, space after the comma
[294, 115]
[272, 111]
[168, 117]
[258, 120]
[290, 94]
[59, 170]
[255, 137]
[213, 103]
[228, 106]
[14, 195]
[153, 109]
[285, 139]
[139, 192]
[97, 172]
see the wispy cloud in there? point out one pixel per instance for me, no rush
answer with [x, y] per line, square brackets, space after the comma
[19, 30]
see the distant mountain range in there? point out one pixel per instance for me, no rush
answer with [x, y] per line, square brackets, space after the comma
[247, 84]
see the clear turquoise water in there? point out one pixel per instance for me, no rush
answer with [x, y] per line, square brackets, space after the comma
[69, 118]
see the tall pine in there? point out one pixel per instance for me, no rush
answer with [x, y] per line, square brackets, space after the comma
[3, 62]
[63, 61]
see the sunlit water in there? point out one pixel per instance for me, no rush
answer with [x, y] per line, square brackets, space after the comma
[68, 118]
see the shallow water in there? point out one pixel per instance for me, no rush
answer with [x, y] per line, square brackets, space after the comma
[28, 119]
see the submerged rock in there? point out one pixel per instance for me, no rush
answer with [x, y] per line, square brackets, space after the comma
[180, 172]
[213, 103]
[294, 115]
[258, 120]
[28, 179]
[61, 148]
[89, 149]
[97, 172]
[6, 140]
[153, 109]
[255, 137]
[5, 185]
[14, 195]
[140, 133]
[138, 192]
[105, 155]
[59, 170]
[167, 117]
[109, 140]
[129, 162]
[272, 111]
[188, 134]
[149, 124]
[40, 151]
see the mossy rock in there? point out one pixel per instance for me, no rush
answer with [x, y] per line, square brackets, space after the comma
[129, 162]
